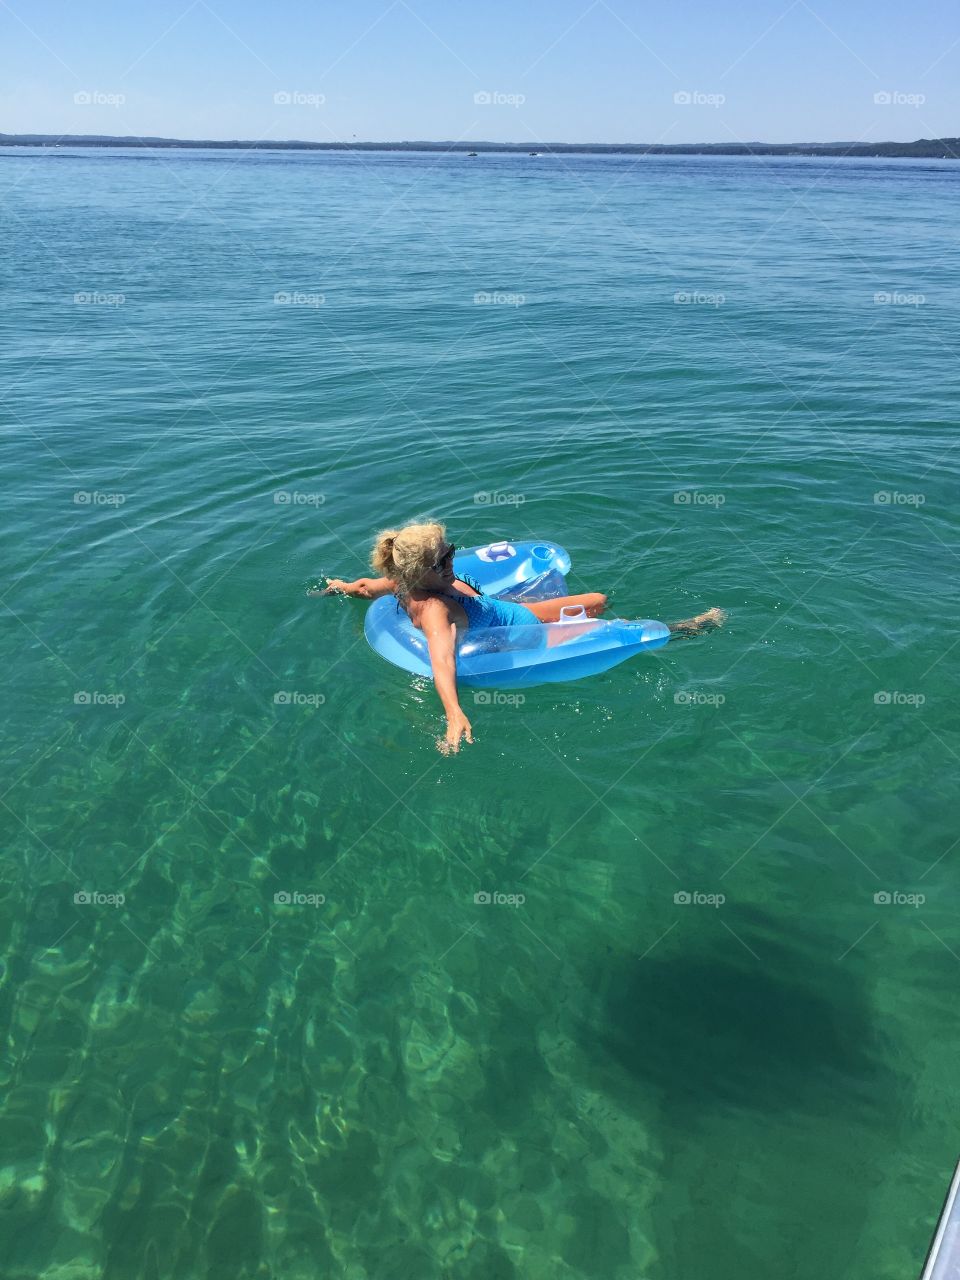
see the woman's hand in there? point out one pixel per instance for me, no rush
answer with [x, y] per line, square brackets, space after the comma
[366, 588]
[458, 727]
[434, 620]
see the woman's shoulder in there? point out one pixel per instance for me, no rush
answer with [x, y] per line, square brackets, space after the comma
[424, 607]
[425, 604]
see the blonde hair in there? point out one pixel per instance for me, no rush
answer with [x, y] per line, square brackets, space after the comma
[407, 554]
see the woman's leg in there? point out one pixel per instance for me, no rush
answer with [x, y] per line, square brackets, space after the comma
[549, 610]
[594, 602]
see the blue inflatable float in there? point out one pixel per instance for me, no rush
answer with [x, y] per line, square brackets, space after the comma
[520, 656]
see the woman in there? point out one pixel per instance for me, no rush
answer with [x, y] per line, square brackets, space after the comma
[416, 565]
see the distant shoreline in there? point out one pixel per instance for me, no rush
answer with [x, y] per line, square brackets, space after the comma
[923, 148]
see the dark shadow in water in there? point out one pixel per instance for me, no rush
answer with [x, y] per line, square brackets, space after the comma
[771, 1080]
[712, 1025]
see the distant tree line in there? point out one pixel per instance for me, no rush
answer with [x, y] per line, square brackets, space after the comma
[928, 148]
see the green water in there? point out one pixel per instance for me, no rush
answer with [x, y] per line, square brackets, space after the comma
[603, 1081]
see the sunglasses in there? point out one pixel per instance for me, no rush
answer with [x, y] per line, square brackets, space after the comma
[445, 558]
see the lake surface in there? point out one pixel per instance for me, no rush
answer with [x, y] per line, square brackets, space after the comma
[258, 1026]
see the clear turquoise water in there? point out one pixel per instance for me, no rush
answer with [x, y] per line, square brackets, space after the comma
[602, 1082]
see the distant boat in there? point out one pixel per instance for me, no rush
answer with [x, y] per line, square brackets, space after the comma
[471, 153]
[533, 153]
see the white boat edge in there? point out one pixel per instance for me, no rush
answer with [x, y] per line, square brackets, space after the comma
[943, 1256]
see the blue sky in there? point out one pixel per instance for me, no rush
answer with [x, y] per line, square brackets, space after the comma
[527, 71]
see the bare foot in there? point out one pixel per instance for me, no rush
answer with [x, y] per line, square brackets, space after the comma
[707, 621]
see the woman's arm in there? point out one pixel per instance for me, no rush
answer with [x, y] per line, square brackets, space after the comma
[436, 624]
[366, 588]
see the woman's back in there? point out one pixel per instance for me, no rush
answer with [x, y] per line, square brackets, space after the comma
[472, 609]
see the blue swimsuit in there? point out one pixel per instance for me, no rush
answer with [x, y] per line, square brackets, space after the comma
[487, 611]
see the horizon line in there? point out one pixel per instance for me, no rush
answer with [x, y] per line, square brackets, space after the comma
[106, 140]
